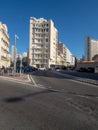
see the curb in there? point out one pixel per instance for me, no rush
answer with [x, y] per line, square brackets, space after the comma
[17, 79]
[89, 81]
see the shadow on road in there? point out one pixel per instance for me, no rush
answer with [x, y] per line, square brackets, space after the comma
[22, 98]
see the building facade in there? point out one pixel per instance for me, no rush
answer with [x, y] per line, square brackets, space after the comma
[4, 46]
[60, 59]
[68, 59]
[43, 43]
[91, 48]
[62, 50]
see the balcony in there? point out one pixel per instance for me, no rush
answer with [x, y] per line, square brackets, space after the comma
[4, 58]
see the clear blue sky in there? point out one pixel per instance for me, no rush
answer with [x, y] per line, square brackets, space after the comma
[74, 20]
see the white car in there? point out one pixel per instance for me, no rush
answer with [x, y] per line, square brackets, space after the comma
[42, 68]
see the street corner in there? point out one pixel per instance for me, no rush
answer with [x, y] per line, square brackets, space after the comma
[17, 77]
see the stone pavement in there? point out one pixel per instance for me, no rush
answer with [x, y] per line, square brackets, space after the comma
[17, 76]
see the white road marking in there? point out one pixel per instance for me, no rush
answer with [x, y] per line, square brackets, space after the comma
[23, 83]
[35, 84]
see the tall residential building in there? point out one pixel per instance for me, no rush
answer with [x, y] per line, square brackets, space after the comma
[91, 48]
[68, 58]
[62, 49]
[4, 46]
[43, 43]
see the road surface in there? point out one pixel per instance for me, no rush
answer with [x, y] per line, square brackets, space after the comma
[51, 102]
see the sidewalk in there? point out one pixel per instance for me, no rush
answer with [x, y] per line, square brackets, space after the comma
[85, 80]
[17, 76]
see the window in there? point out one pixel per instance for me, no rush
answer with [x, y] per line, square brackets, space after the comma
[42, 35]
[36, 25]
[33, 29]
[41, 45]
[38, 40]
[46, 61]
[38, 35]
[46, 40]
[39, 25]
[46, 35]
[33, 40]
[46, 45]
[46, 56]
[47, 25]
[38, 30]
[46, 50]
[46, 30]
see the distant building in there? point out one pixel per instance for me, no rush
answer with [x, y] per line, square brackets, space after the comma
[87, 66]
[25, 58]
[95, 58]
[24, 54]
[62, 50]
[4, 46]
[43, 43]
[60, 59]
[68, 58]
[91, 48]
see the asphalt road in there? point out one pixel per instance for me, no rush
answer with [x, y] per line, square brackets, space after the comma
[93, 76]
[51, 103]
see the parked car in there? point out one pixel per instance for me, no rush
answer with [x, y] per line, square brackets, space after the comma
[43, 68]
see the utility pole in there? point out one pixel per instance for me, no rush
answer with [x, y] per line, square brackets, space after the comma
[20, 65]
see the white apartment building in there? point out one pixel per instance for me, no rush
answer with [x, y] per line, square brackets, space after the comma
[4, 46]
[60, 58]
[68, 58]
[62, 50]
[43, 43]
[91, 48]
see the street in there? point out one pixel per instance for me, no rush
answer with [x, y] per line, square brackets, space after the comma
[50, 102]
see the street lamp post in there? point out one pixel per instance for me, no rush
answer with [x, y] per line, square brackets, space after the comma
[15, 38]
[20, 65]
